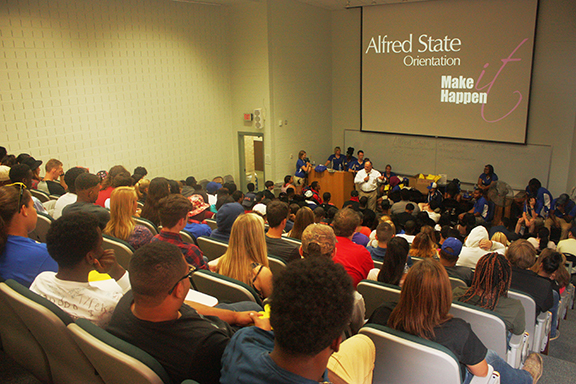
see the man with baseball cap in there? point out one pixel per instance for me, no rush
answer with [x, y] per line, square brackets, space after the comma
[35, 168]
[196, 216]
[449, 253]
[434, 194]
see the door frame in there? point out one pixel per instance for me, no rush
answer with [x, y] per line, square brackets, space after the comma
[242, 155]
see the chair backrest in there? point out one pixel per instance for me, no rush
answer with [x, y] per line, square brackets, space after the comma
[47, 322]
[377, 264]
[42, 196]
[212, 248]
[375, 293]
[19, 343]
[117, 361]
[147, 223]
[122, 249]
[529, 312]
[211, 223]
[42, 227]
[187, 237]
[456, 282]
[292, 240]
[276, 264]
[489, 328]
[224, 288]
[404, 358]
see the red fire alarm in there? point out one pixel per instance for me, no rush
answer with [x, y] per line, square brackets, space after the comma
[247, 117]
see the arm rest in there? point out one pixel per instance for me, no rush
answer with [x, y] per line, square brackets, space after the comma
[491, 378]
[514, 355]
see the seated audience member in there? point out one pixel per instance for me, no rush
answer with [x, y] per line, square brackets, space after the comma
[568, 245]
[260, 209]
[481, 208]
[21, 173]
[288, 182]
[123, 206]
[211, 189]
[434, 194]
[154, 317]
[394, 264]
[477, 245]
[106, 188]
[225, 218]
[406, 216]
[487, 178]
[246, 258]
[158, 189]
[21, 258]
[522, 256]
[528, 218]
[300, 350]
[354, 201]
[503, 226]
[358, 237]
[423, 247]
[562, 211]
[237, 196]
[547, 266]
[319, 215]
[87, 186]
[34, 167]
[501, 238]
[121, 180]
[433, 211]
[542, 240]
[400, 206]
[355, 258]
[489, 290]
[543, 197]
[423, 311]
[409, 231]
[139, 174]
[173, 210]
[175, 187]
[4, 175]
[326, 197]
[450, 207]
[75, 242]
[384, 233]
[142, 190]
[195, 224]
[49, 184]
[451, 248]
[269, 191]
[189, 190]
[277, 214]
[304, 217]
[70, 197]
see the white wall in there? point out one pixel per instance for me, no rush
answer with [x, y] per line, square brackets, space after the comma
[132, 82]
[552, 114]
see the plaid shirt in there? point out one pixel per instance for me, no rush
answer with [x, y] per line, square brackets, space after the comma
[192, 253]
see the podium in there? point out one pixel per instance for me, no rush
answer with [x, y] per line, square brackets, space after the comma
[338, 183]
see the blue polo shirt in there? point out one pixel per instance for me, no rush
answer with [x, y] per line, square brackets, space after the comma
[356, 166]
[23, 259]
[299, 172]
[543, 202]
[337, 163]
[487, 179]
[569, 209]
[482, 207]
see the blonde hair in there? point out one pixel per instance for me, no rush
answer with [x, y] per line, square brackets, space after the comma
[422, 246]
[501, 238]
[121, 222]
[141, 187]
[247, 245]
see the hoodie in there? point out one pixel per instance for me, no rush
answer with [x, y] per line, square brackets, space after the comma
[471, 251]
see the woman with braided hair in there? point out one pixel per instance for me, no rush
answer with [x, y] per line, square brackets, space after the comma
[489, 290]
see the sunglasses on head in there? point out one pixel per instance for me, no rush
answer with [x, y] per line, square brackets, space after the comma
[186, 276]
[21, 186]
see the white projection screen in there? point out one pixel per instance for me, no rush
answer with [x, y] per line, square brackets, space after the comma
[448, 68]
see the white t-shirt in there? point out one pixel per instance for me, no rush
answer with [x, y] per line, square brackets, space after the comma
[81, 300]
[62, 202]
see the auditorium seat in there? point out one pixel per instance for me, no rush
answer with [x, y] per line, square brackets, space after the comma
[225, 289]
[122, 249]
[537, 327]
[42, 226]
[375, 293]
[211, 248]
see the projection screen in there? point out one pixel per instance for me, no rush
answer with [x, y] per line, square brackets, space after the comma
[448, 68]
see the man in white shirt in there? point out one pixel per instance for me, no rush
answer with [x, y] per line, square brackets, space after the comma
[75, 243]
[568, 245]
[367, 180]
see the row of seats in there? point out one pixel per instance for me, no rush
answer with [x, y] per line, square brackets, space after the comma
[46, 341]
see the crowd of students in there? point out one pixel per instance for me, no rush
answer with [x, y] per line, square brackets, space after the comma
[420, 241]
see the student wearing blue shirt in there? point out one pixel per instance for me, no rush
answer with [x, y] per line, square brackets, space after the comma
[543, 197]
[561, 215]
[349, 159]
[337, 160]
[481, 209]
[302, 169]
[357, 164]
[487, 178]
[21, 258]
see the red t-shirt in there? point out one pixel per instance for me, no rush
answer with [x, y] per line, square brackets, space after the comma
[104, 195]
[355, 258]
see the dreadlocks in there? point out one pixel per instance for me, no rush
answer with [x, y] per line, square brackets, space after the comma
[491, 280]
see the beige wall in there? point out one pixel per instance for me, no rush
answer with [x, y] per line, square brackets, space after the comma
[552, 115]
[99, 83]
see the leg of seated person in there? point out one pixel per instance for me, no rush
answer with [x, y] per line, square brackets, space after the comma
[508, 374]
[354, 362]
[554, 311]
[565, 228]
[241, 306]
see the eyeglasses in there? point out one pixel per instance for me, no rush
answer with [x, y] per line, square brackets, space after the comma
[22, 187]
[190, 272]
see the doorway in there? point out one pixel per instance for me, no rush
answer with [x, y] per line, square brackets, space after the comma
[251, 150]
